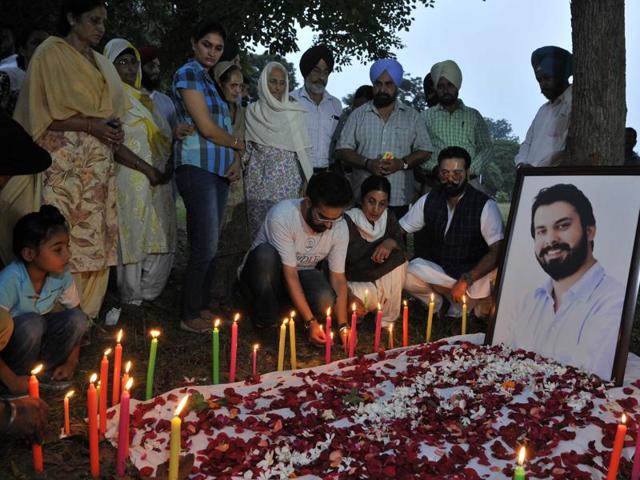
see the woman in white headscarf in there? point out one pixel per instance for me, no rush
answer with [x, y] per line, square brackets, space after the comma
[146, 211]
[276, 156]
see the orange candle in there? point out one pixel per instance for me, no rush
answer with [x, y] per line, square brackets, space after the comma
[117, 366]
[104, 384]
[125, 377]
[405, 324]
[34, 392]
[92, 410]
[67, 428]
[391, 336]
[618, 443]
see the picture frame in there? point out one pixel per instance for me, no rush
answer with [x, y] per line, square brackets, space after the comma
[551, 300]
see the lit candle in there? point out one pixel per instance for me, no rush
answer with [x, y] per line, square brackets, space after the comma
[617, 449]
[117, 365]
[234, 348]
[635, 472]
[366, 299]
[353, 333]
[432, 305]
[174, 452]
[464, 315]
[281, 345]
[327, 338]
[391, 336]
[104, 383]
[519, 472]
[123, 429]
[215, 354]
[92, 407]
[376, 338]
[151, 367]
[405, 324]
[34, 392]
[125, 377]
[292, 340]
[254, 363]
[67, 427]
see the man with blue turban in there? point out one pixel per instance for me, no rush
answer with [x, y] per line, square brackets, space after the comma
[385, 137]
[547, 135]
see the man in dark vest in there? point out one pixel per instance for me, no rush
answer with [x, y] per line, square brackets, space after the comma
[463, 234]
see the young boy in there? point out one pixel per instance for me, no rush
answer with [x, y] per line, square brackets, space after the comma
[30, 287]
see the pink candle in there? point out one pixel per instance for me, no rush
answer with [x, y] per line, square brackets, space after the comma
[353, 335]
[92, 409]
[234, 348]
[635, 472]
[327, 338]
[376, 338]
[123, 429]
[254, 368]
[405, 325]
[104, 383]
[117, 365]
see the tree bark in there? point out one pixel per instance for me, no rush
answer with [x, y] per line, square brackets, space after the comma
[596, 128]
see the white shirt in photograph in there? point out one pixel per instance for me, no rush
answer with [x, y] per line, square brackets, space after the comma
[490, 219]
[547, 134]
[322, 120]
[582, 333]
[298, 244]
[165, 107]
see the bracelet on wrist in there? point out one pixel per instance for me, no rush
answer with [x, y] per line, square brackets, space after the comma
[343, 328]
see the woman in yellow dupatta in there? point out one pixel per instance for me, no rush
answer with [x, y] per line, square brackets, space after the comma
[70, 104]
[146, 214]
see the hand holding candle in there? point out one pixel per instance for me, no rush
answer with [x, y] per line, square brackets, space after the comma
[151, 367]
[117, 364]
[67, 427]
[104, 383]
[34, 392]
[519, 473]
[175, 442]
[618, 444]
[92, 410]
[432, 305]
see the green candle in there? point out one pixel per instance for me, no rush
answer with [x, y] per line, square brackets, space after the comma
[216, 353]
[519, 473]
[152, 362]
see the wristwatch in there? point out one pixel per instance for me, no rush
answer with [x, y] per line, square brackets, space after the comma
[405, 164]
[307, 323]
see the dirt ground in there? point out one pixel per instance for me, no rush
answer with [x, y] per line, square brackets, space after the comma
[181, 356]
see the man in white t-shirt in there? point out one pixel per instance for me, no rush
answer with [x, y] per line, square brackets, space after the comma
[280, 268]
[463, 236]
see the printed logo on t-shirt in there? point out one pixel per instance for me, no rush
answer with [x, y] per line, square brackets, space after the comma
[310, 243]
[308, 261]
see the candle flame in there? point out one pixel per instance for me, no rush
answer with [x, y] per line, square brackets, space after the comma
[119, 336]
[127, 367]
[181, 405]
[331, 335]
[379, 306]
[154, 333]
[69, 394]
[329, 312]
[93, 378]
[292, 314]
[99, 383]
[404, 302]
[256, 347]
[285, 321]
[521, 455]
[353, 306]
[432, 297]
[129, 384]
[464, 299]
[216, 324]
[236, 317]
[37, 369]
[623, 420]
[107, 352]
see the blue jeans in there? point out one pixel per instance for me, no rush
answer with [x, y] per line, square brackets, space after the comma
[205, 198]
[263, 282]
[45, 338]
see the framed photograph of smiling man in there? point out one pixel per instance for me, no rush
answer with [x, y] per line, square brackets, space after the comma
[568, 285]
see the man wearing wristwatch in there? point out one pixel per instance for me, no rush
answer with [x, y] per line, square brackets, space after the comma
[463, 236]
[385, 137]
[280, 269]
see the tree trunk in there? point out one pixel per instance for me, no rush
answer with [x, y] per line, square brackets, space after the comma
[596, 128]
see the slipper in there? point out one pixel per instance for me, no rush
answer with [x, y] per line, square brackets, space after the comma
[201, 329]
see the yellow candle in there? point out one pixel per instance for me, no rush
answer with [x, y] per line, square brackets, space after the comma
[292, 341]
[174, 452]
[432, 305]
[281, 346]
[464, 315]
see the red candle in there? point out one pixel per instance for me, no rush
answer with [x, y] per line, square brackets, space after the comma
[92, 407]
[34, 392]
[327, 338]
[117, 365]
[104, 384]
[635, 471]
[67, 428]
[254, 363]
[353, 334]
[125, 377]
[405, 325]
[123, 429]
[234, 348]
[376, 338]
[618, 443]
